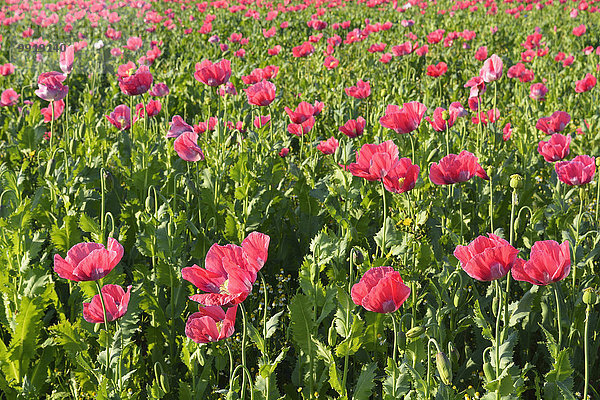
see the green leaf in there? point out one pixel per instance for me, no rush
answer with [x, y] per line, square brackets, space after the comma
[521, 308]
[23, 344]
[325, 354]
[256, 337]
[365, 383]
[65, 335]
[272, 324]
[301, 322]
[561, 368]
[479, 319]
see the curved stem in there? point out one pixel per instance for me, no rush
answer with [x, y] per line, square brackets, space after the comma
[497, 337]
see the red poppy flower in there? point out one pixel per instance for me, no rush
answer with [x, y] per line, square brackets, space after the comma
[405, 119]
[476, 85]
[211, 324]
[330, 62]
[302, 128]
[456, 168]
[380, 290]
[213, 74]
[261, 121]
[353, 127]
[88, 261]
[437, 70]
[487, 258]
[375, 161]
[116, 301]
[261, 94]
[362, 90]
[304, 50]
[9, 97]
[556, 148]
[554, 123]
[578, 171]
[402, 177]
[548, 262]
[507, 132]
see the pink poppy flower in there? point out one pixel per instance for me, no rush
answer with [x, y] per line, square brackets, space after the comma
[178, 126]
[456, 168]
[380, 290]
[66, 59]
[211, 324]
[405, 119]
[302, 128]
[116, 301]
[7, 69]
[353, 127]
[375, 161]
[261, 94]
[362, 90]
[88, 261]
[137, 83]
[120, 117]
[507, 132]
[50, 87]
[538, 91]
[261, 121]
[186, 146]
[476, 85]
[328, 146]
[586, 84]
[549, 262]
[487, 258]
[556, 148]
[159, 90]
[330, 62]
[56, 107]
[578, 171]
[492, 69]
[213, 74]
[437, 70]
[9, 97]
[554, 123]
[303, 112]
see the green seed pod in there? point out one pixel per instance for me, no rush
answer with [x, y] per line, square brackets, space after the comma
[444, 367]
[516, 181]
[454, 354]
[589, 297]
[49, 166]
[415, 332]
[495, 306]
[164, 382]
[445, 115]
[489, 171]
[357, 256]
[488, 371]
[108, 181]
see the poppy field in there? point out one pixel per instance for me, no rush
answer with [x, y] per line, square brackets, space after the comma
[326, 199]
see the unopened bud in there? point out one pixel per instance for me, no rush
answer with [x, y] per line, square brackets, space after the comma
[415, 332]
[488, 371]
[516, 181]
[332, 335]
[444, 367]
[357, 256]
[454, 354]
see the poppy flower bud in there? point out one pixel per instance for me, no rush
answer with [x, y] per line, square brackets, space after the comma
[488, 371]
[444, 367]
[516, 181]
[445, 115]
[589, 296]
[415, 332]
[454, 354]
[495, 306]
[331, 335]
[108, 181]
[456, 299]
[357, 256]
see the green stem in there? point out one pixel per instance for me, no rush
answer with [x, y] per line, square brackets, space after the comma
[264, 284]
[492, 208]
[499, 295]
[244, 332]
[105, 326]
[558, 315]
[52, 125]
[346, 357]
[577, 225]
[586, 346]
[384, 220]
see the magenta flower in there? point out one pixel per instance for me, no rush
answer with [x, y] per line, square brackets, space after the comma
[116, 301]
[88, 261]
[405, 119]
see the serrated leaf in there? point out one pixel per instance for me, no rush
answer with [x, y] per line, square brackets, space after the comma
[480, 320]
[561, 368]
[23, 344]
[366, 382]
[272, 324]
[87, 224]
[301, 322]
[256, 337]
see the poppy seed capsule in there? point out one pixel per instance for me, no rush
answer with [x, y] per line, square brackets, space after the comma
[415, 332]
[332, 335]
[589, 297]
[516, 181]
[444, 367]
[445, 115]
